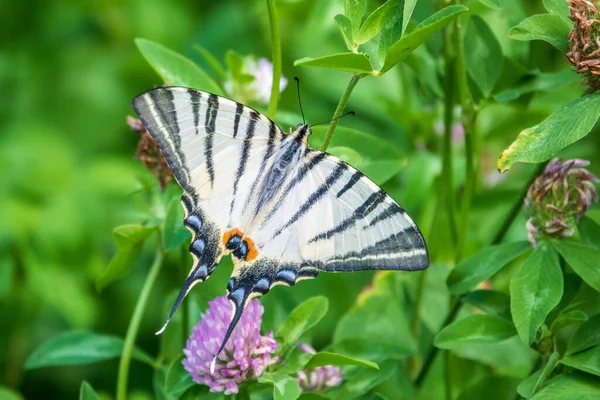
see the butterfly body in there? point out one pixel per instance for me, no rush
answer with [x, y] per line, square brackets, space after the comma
[283, 210]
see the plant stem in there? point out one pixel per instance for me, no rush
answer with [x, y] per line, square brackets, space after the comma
[447, 181]
[469, 116]
[276, 42]
[134, 324]
[339, 110]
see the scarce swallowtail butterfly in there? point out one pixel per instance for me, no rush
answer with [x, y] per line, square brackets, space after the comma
[283, 210]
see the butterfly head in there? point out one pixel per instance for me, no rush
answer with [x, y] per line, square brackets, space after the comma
[303, 130]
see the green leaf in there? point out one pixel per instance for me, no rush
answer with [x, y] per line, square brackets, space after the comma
[483, 55]
[347, 62]
[495, 4]
[563, 127]
[128, 239]
[362, 332]
[312, 396]
[589, 231]
[235, 64]
[381, 171]
[284, 387]
[174, 234]
[583, 259]
[326, 358]
[346, 154]
[547, 27]
[301, 319]
[535, 290]
[211, 60]
[586, 336]
[483, 264]
[587, 361]
[557, 7]
[540, 82]
[490, 302]
[345, 26]
[78, 348]
[570, 387]
[376, 21]
[574, 317]
[354, 10]
[528, 387]
[178, 380]
[7, 393]
[391, 32]
[409, 7]
[176, 69]
[406, 45]
[86, 392]
[359, 381]
[475, 329]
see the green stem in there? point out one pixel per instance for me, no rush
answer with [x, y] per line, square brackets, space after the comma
[469, 116]
[276, 42]
[134, 324]
[339, 110]
[447, 181]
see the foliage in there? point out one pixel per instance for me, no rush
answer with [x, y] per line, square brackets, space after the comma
[441, 90]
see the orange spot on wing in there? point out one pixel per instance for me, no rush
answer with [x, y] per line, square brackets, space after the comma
[252, 251]
[232, 232]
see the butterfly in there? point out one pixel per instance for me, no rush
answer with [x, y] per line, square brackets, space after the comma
[284, 211]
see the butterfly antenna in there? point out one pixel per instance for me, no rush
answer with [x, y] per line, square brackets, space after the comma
[299, 101]
[352, 113]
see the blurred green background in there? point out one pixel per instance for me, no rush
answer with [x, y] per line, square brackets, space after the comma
[68, 71]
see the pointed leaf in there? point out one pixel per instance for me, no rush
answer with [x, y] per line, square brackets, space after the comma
[563, 127]
[390, 34]
[129, 239]
[490, 302]
[326, 358]
[178, 380]
[376, 21]
[78, 348]
[475, 329]
[174, 234]
[570, 318]
[587, 361]
[174, 68]
[354, 10]
[528, 387]
[495, 4]
[406, 45]
[483, 55]
[284, 387]
[409, 7]
[86, 392]
[586, 336]
[211, 60]
[541, 82]
[547, 27]
[570, 387]
[557, 7]
[301, 319]
[345, 26]
[347, 62]
[535, 290]
[483, 264]
[583, 259]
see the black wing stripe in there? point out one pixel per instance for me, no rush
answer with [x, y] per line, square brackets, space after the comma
[250, 130]
[210, 124]
[239, 109]
[362, 211]
[351, 182]
[389, 212]
[314, 197]
[195, 98]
